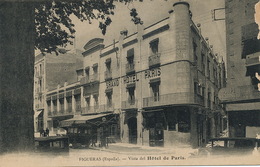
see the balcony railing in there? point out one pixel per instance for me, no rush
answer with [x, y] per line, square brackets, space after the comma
[108, 75]
[84, 80]
[154, 60]
[88, 110]
[130, 68]
[38, 75]
[106, 107]
[94, 78]
[49, 114]
[129, 104]
[173, 99]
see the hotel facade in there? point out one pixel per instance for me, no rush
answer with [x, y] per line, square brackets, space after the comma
[159, 85]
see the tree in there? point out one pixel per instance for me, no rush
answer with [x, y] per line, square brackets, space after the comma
[54, 27]
[24, 27]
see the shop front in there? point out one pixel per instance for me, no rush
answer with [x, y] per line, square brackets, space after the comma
[92, 130]
[175, 126]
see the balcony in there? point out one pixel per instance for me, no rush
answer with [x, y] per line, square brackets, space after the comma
[129, 104]
[154, 60]
[84, 80]
[38, 75]
[173, 99]
[106, 107]
[89, 110]
[94, 78]
[49, 114]
[130, 68]
[108, 75]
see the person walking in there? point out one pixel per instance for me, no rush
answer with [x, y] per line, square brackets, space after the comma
[47, 131]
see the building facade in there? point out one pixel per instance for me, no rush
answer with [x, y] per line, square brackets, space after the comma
[49, 71]
[161, 81]
[243, 50]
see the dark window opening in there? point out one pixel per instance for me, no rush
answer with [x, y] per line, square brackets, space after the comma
[131, 95]
[155, 90]
[154, 46]
[183, 121]
[109, 99]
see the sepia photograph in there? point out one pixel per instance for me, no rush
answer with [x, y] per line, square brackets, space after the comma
[129, 82]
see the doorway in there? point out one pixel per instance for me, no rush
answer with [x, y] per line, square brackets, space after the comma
[132, 127]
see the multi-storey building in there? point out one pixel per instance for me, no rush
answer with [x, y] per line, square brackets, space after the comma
[51, 70]
[162, 81]
[243, 50]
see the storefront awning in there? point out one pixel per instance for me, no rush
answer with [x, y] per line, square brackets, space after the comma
[37, 113]
[80, 120]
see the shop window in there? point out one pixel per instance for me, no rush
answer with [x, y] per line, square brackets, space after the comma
[55, 123]
[113, 129]
[184, 121]
[154, 46]
[172, 121]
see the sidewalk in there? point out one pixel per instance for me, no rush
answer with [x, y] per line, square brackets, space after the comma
[132, 149]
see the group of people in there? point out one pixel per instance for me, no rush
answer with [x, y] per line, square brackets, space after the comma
[44, 133]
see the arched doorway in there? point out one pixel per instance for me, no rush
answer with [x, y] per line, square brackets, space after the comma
[132, 128]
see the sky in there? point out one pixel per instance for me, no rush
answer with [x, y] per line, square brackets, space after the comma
[152, 11]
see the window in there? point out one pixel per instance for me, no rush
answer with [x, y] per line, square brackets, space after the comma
[203, 63]
[195, 52]
[54, 105]
[108, 64]
[87, 102]
[69, 101]
[154, 46]
[87, 73]
[209, 99]
[49, 105]
[95, 69]
[131, 95]
[109, 99]
[95, 100]
[61, 101]
[208, 68]
[156, 91]
[78, 102]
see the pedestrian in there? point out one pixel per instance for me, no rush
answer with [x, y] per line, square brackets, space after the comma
[47, 131]
[41, 132]
[93, 140]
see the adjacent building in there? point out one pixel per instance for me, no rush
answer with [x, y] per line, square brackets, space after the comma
[242, 95]
[49, 71]
[159, 84]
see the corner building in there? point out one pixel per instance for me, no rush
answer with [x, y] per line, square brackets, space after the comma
[162, 81]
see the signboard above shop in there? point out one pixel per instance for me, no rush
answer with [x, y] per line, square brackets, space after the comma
[245, 94]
